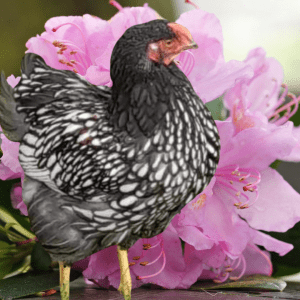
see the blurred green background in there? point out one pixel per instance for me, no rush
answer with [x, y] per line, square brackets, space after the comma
[20, 20]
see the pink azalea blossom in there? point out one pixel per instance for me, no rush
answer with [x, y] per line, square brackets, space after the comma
[244, 175]
[258, 101]
[10, 167]
[16, 199]
[212, 75]
[219, 244]
[84, 45]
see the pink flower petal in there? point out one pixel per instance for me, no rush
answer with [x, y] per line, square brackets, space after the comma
[12, 80]
[258, 148]
[16, 199]
[260, 91]
[98, 76]
[194, 267]
[130, 16]
[214, 76]
[270, 243]
[278, 207]
[294, 156]
[171, 275]
[102, 263]
[42, 45]
[10, 167]
[221, 79]
[258, 261]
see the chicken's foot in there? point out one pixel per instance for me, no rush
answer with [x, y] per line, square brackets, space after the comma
[125, 282]
[64, 280]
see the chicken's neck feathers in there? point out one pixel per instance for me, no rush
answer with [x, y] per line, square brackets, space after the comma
[141, 99]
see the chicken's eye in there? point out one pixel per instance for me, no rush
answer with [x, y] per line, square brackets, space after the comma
[168, 43]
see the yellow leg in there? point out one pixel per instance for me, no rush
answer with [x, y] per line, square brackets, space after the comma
[64, 280]
[125, 283]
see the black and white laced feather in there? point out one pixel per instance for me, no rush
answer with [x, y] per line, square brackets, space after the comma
[91, 181]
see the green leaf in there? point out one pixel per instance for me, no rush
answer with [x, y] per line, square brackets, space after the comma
[296, 118]
[284, 270]
[274, 165]
[5, 202]
[13, 237]
[217, 109]
[40, 259]
[20, 267]
[253, 282]
[13, 257]
[31, 283]
[7, 250]
[6, 265]
[182, 245]
[291, 259]
[4, 238]
[6, 217]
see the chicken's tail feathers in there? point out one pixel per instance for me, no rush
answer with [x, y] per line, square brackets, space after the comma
[40, 84]
[12, 122]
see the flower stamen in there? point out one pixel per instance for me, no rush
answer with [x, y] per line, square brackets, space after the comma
[146, 246]
[83, 61]
[54, 29]
[286, 109]
[235, 176]
[158, 272]
[136, 257]
[116, 5]
[225, 271]
[146, 263]
[243, 269]
[190, 2]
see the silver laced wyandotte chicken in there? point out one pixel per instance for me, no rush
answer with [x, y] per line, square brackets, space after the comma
[108, 166]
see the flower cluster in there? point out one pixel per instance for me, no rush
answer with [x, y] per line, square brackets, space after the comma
[220, 227]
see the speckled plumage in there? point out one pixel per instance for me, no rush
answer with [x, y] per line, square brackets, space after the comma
[104, 165]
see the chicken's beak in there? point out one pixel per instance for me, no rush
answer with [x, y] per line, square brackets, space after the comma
[183, 36]
[191, 45]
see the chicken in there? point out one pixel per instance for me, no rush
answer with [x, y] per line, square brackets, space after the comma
[107, 166]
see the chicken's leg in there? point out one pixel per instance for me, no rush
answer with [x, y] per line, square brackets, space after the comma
[64, 280]
[125, 283]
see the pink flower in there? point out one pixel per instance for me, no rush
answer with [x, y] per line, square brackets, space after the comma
[244, 177]
[16, 199]
[220, 226]
[219, 244]
[10, 167]
[205, 67]
[212, 263]
[257, 101]
[162, 263]
[84, 45]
